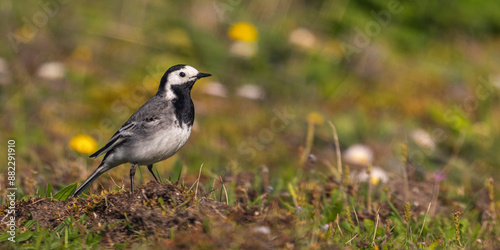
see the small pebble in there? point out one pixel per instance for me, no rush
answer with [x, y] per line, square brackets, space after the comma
[262, 230]
[215, 89]
[51, 71]
[359, 154]
[251, 92]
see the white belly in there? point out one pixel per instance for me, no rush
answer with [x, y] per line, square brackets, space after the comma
[157, 147]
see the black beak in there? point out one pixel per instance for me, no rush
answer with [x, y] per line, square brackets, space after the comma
[201, 75]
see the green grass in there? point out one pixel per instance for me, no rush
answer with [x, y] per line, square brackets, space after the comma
[316, 217]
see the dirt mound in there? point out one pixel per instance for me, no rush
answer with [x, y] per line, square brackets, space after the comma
[166, 214]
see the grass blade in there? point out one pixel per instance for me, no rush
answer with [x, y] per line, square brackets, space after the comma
[49, 191]
[66, 192]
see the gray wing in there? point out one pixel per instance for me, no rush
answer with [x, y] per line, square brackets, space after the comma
[153, 112]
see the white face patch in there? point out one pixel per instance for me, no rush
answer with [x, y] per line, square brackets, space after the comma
[181, 76]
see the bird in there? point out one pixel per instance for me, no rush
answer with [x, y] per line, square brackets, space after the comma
[156, 131]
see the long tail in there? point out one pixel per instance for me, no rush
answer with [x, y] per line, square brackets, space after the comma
[100, 170]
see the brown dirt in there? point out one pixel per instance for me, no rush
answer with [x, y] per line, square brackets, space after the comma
[124, 218]
[419, 194]
[169, 216]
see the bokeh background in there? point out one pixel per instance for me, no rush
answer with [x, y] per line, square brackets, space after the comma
[385, 73]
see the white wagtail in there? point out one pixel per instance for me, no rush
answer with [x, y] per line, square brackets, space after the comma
[156, 131]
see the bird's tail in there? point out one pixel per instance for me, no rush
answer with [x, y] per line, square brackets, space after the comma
[100, 170]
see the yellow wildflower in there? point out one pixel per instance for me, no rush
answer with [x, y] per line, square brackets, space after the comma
[25, 34]
[374, 180]
[315, 118]
[83, 144]
[244, 32]
[82, 52]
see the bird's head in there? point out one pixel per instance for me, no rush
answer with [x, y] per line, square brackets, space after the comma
[180, 76]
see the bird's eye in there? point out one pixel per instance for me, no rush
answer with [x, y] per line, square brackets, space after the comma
[182, 74]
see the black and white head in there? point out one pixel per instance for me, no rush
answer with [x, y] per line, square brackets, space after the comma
[179, 77]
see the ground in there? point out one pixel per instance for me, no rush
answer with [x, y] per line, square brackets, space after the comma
[172, 215]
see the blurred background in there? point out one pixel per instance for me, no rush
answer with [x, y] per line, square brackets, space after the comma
[386, 73]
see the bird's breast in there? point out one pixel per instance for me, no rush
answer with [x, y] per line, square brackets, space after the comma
[160, 145]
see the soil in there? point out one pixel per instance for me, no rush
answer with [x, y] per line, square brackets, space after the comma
[121, 217]
[169, 216]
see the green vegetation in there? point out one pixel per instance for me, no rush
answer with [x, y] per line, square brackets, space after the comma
[415, 82]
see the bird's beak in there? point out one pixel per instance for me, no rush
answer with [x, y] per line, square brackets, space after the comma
[201, 75]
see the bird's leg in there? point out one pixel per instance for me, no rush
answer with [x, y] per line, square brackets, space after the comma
[150, 168]
[132, 174]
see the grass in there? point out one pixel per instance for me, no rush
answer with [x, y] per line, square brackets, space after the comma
[317, 215]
